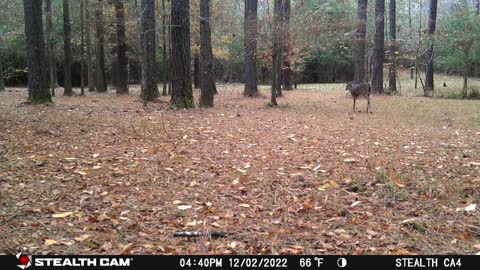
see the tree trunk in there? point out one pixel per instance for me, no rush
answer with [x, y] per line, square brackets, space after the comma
[122, 72]
[149, 67]
[37, 73]
[2, 81]
[50, 53]
[90, 70]
[277, 52]
[207, 79]
[287, 72]
[101, 83]
[379, 47]
[465, 73]
[250, 43]
[182, 96]
[419, 44]
[392, 74]
[360, 41]
[169, 58]
[164, 56]
[196, 71]
[114, 77]
[432, 24]
[477, 7]
[82, 48]
[67, 49]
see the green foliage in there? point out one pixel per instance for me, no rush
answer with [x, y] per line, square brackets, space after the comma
[474, 93]
[458, 39]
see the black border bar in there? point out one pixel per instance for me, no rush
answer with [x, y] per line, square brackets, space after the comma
[231, 262]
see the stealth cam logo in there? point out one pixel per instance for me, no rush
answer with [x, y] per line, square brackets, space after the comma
[24, 260]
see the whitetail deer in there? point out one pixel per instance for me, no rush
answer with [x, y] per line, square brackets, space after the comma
[357, 90]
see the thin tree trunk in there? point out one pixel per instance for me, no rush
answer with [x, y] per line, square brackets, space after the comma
[182, 96]
[101, 83]
[392, 74]
[250, 43]
[277, 52]
[196, 71]
[465, 73]
[67, 49]
[287, 72]
[138, 62]
[82, 48]
[37, 73]
[2, 81]
[90, 70]
[169, 58]
[418, 46]
[122, 72]
[50, 53]
[207, 80]
[360, 41]
[164, 56]
[432, 24]
[149, 67]
[477, 7]
[379, 47]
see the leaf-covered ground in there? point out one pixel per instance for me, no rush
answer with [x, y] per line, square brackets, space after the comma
[100, 174]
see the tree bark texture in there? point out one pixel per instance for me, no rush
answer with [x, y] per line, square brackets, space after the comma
[182, 96]
[360, 41]
[37, 70]
[122, 72]
[207, 76]
[277, 52]
[287, 71]
[149, 66]
[67, 45]
[101, 82]
[392, 73]
[379, 47]
[51, 56]
[90, 69]
[432, 25]
[250, 44]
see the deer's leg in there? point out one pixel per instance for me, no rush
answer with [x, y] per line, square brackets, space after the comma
[354, 101]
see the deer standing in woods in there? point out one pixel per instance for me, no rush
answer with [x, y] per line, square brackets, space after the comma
[357, 90]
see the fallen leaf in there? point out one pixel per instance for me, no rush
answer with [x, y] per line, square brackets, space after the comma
[397, 182]
[244, 205]
[22, 203]
[49, 242]
[184, 207]
[82, 237]
[191, 223]
[193, 184]
[350, 160]
[177, 202]
[62, 215]
[106, 247]
[471, 208]
[306, 205]
[355, 204]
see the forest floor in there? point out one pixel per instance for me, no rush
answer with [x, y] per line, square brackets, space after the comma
[101, 174]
